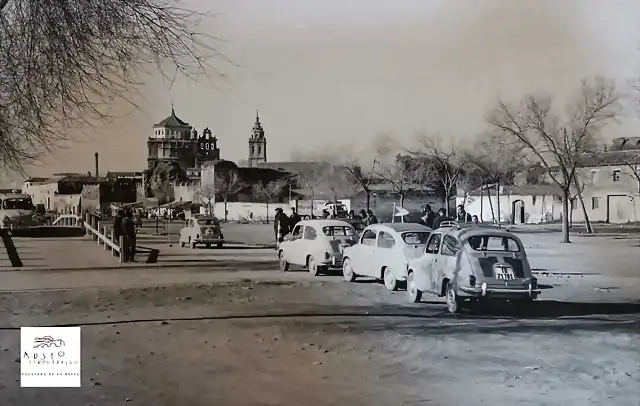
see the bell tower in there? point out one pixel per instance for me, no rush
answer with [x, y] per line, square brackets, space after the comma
[257, 144]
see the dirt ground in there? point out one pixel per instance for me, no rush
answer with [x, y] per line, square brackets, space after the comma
[319, 343]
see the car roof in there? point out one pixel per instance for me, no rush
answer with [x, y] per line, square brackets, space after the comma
[324, 223]
[14, 196]
[205, 218]
[401, 227]
[465, 233]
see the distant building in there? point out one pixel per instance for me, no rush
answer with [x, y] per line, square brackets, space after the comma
[257, 145]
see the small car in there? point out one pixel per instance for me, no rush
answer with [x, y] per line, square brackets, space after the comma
[202, 231]
[467, 265]
[17, 211]
[356, 223]
[384, 251]
[316, 245]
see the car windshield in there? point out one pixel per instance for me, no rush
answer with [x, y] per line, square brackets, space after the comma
[338, 231]
[493, 243]
[207, 222]
[17, 204]
[415, 237]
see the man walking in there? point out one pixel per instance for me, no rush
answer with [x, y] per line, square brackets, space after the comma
[463, 216]
[280, 226]
[428, 216]
[129, 231]
[117, 228]
[294, 219]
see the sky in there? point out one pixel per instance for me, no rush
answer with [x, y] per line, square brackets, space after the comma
[334, 72]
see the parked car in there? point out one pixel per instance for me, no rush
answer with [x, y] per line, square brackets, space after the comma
[201, 231]
[470, 264]
[384, 252]
[358, 224]
[316, 245]
[17, 210]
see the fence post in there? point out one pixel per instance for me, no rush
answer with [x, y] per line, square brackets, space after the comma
[87, 221]
[120, 245]
[106, 246]
[113, 251]
[98, 230]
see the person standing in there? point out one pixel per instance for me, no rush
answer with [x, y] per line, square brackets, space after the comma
[428, 216]
[117, 228]
[280, 226]
[294, 219]
[129, 231]
[371, 218]
[463, 216]
[442, 216]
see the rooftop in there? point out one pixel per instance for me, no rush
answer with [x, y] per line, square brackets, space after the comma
[172, 121]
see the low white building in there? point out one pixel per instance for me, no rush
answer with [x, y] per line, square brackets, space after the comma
[530, 204]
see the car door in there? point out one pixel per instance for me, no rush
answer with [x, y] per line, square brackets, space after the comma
[448, 259]
[426, 271]
[292, 246]
[363, 262]
[388, 253]
[311, 244]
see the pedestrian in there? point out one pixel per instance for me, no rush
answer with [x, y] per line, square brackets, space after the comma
[474, 219]
[462, 215]
[294, 219]
[280, 226]
[325, 214]
[442, 216]
[371, 218]
[129, 232]
[117, 227]
[428, 216]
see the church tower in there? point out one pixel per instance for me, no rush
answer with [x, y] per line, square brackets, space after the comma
[257, 144]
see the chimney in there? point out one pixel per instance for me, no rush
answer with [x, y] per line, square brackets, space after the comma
[97, 174]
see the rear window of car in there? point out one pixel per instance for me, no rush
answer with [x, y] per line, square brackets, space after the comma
[338, 231]
[493, 243]
[415, 237]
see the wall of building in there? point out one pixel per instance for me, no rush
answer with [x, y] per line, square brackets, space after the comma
[610, 194]
[537, 209]
[41, 193]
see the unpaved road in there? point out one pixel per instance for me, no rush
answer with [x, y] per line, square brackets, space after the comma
[322, 343]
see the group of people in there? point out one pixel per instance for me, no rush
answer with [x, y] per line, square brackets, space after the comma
[283, 224]
[433, 220]
[124, 226]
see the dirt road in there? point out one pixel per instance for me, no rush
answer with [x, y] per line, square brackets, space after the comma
[321, 343]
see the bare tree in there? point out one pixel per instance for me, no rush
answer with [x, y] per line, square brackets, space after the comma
[206, 193]
[311, 178]
[497, 159]
[555, 141]
[446, 162]
[226, 185]
[405, 175]
[64, 64]
[268, 191]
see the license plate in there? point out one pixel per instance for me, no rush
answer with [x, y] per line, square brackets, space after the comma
[504, 273]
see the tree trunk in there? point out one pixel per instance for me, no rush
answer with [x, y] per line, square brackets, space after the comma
[311, 214]
[493, 214]
[225, 209]
[402, 207]
[565, 215]
[368, 197]
[571, 213]
[498, 204]
[481, 199]
[267, 201]
[587, 221]
[446, 202]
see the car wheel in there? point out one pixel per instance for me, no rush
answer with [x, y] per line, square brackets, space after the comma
[313, 267]
[219, 245]
[524, 306]
[284, 265]
[182, 244]
[208, 246]
[454, 303]
[390, 281]
[193, 245]
[414, 293]
[347, 271]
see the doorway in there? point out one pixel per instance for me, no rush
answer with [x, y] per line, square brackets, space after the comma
[517, 212]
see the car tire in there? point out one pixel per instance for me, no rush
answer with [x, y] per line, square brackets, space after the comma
[182, 244]
[415, 294]
[347, 271]
[454, 303]
[313, 267]
[389, 279]
[524, 306]
[219, 245]
[207, 246]
[193, 245]
[284, 265]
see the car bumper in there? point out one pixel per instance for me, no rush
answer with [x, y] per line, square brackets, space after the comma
[209, 240]
[497, 292]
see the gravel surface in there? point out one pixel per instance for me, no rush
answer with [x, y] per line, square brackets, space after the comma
[319, 343]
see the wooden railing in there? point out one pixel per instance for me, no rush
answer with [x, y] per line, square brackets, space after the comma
[68, 220]
[103, 235]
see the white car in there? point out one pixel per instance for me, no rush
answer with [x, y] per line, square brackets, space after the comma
[316, 245]
[384, 252]
[205, 231]
[471, 264]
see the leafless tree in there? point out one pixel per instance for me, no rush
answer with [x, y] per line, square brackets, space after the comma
[64, 64]
[556, 141]
[206, 193]
[362, 175]
[268, 191]
[228, 184]
[496, 159]
[446, 161]
[406, 175]
[312, 178]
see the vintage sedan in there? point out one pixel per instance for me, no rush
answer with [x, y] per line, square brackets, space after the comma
[316, 245]
[384, 252]
[466, 265]
[205, 231]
